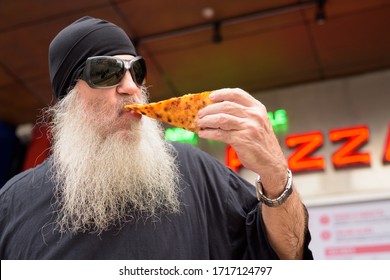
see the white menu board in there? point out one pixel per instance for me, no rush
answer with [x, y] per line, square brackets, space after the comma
[351, 231]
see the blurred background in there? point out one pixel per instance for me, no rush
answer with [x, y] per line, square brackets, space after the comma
[322, 68]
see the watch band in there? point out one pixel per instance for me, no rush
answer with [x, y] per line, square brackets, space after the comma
[277, 201]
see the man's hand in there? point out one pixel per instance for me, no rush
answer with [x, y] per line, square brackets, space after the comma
[240, 120]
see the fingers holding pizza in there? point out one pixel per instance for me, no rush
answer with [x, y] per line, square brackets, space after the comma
[232, 110]
[238, 119]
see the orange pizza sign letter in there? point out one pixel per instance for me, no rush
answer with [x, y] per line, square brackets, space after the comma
[301, 159]
[348, 155]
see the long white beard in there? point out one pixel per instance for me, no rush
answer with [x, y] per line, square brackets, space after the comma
[105, 180]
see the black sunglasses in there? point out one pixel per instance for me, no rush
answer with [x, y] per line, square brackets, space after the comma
[108, 71]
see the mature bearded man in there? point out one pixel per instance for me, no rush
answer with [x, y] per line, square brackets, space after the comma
[114, 189]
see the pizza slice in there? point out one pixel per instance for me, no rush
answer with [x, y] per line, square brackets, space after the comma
[177, 111]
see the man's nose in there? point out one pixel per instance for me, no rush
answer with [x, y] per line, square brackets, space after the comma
[127, 85]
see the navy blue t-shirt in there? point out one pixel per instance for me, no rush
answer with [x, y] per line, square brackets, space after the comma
[220, 218]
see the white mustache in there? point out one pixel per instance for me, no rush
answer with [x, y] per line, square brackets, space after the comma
[125, 101]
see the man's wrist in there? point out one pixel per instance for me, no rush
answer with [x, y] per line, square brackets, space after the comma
[281, 198]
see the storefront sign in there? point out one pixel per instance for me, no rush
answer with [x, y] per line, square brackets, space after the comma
[348, 155]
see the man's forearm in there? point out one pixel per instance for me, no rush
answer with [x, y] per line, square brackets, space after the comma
[286, 226]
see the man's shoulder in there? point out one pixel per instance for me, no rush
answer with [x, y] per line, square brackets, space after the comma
[27, 178]
[195, 161]
[187, 150]
[183, 147]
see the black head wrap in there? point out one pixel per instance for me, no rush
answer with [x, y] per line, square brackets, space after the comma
[74, 44]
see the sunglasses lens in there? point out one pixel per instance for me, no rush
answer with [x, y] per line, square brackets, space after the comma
[105, 72]
[138, 71]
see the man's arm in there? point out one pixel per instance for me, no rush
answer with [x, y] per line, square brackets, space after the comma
[285, 227]
[240, 120]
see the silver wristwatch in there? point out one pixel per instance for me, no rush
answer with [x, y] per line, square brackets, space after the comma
[277, 201]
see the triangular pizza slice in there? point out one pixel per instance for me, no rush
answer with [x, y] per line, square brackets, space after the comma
[177, 111]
